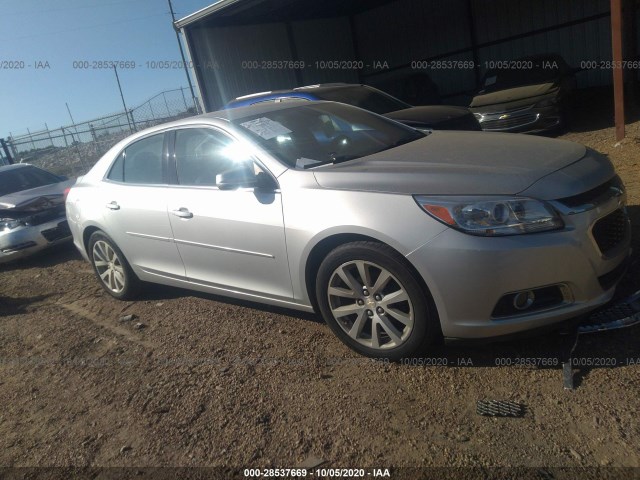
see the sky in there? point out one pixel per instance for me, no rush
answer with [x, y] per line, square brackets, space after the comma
[43, 39]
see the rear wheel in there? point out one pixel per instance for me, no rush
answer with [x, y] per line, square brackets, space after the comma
[373, 302]
[111, 267]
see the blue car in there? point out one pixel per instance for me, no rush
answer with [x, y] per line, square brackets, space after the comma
[435, 117]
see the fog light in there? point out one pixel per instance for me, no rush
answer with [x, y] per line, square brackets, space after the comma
[523, 300]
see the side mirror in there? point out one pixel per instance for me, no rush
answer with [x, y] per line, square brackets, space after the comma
[240, 176]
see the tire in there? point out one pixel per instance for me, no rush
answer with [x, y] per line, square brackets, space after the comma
[391, 318]
[111, 267]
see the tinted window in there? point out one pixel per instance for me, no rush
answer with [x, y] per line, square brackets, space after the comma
[141, 162]
[25, 178]
[313, 134]
[201, 154]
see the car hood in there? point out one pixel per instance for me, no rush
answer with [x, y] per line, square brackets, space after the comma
[427, 115]
[456, 163]
[35, 199]
[513, 97]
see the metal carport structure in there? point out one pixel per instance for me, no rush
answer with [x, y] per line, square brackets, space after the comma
[237, 47]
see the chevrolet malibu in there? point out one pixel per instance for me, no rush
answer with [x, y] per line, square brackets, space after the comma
[398, 237]
[32, 211]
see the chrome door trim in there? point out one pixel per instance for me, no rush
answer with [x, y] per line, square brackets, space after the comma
[152, 237]
[225, 249]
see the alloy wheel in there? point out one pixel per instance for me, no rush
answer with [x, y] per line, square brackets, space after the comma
[370, 304]
[109, 266]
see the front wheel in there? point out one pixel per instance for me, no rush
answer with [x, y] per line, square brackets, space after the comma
[373, 302]
[111, 268]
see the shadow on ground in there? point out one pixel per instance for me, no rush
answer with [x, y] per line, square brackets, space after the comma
[17, 306]
[46, 258]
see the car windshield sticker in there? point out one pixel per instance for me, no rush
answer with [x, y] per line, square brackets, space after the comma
[490, 80]
[266, 128]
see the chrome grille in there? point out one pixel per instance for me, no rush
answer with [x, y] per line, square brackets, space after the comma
[509, 122]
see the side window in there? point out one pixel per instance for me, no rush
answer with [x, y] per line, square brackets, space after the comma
[141, 162]
[202, 153]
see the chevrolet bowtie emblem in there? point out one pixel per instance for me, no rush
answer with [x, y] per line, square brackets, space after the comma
[502, 117]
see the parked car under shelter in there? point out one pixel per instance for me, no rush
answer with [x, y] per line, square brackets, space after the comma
[437, 117]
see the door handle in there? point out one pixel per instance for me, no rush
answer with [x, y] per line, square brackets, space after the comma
[113, 205]
[182, 213]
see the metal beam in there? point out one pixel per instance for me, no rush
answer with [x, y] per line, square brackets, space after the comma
[618, 73]
[204, 12]
[473, 37]
[194, 72]
[184, 62]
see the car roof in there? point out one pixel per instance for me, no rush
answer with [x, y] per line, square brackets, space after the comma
[225, 115]
[14, 166]
[239, 113]
[307, 91]
[320, 87]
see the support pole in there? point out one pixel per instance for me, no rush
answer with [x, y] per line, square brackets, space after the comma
[618, 73]
[184, 62]
[49, 134]
[7, 153]
[31, 138]
[126, 111]
[471, 22]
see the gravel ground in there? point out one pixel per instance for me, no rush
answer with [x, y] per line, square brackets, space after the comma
[197, 380]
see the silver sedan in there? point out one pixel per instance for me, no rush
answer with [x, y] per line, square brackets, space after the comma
[396, 236]
[32, 211]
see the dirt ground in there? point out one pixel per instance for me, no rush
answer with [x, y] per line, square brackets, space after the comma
[197, 380]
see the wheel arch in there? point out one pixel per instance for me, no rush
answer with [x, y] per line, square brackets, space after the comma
[86, 235]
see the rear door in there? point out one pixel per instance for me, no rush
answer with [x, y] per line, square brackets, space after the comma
[229, 239]
[135, 207]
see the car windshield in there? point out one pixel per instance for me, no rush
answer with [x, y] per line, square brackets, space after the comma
[529, 72]
[26, 178]
[364, 97]
[304, 136]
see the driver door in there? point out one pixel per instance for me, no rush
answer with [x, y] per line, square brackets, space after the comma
[228, 239]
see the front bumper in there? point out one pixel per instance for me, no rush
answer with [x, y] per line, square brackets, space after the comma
[27, 240]
[469, 275]
[523, 120]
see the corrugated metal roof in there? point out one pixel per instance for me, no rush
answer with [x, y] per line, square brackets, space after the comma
[247, 12]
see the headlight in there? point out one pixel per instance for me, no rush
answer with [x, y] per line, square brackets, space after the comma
[9, 223]
[549, 102]
[492, 216]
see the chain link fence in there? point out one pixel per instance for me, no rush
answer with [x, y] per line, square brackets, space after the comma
[73, 149]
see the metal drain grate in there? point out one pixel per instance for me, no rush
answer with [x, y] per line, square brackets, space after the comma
[499, 408]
